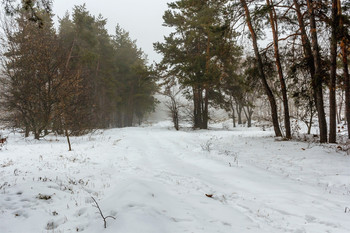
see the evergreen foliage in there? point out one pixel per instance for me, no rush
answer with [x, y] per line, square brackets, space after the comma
[81, 78]
[199, 51]
[73, 80]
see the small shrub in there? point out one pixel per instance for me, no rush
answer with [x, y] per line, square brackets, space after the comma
[207, 146]
[43, 196]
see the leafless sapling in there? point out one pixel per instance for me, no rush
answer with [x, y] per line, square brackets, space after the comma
[103, 217]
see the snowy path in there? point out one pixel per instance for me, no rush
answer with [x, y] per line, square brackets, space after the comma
[155, 180]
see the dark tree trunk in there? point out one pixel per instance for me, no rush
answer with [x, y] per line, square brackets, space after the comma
[239, 112]
[333, 78]
[233, 113]
[248, 114]
[249, 122]
[27, 131]
[68, 140]
[306, 48]
[196, 108]
[176, 120]
[308, 122]
[261, 72]
[273, 23]
[318, 74]
[309, 125]
[346, 81]
[36, 134]
[200, 111]
[174, 112]
[344, 51]
[347, 86]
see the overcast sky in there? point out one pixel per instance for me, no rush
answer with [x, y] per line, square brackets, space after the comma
[142, 18]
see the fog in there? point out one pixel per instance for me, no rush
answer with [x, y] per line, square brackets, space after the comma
[143, 19]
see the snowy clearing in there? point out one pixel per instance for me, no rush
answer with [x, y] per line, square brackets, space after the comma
[157, 180]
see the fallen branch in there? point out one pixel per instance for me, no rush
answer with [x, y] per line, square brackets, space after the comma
[103, 217]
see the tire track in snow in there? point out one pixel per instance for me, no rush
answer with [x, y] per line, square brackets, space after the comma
[177, 165]
[162, 165]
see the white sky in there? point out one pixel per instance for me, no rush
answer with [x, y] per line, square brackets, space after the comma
[142, 18]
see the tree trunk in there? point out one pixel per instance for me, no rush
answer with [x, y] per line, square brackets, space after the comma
[344, 51]
[309, 125]
[233, 113]
[175, 112]
[306, 48]
[346, 81]
[332, 83]
[68, 140]
[200, 111]
[340, 109]
[274, 27]
[261, 72]
[248, 114]
[36, 134]
[196, 108]
[176, 121]
[206, 110]
[27, 131]
[239, 112]
[318, 73]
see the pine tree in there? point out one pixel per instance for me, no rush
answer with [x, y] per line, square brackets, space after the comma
[31, 73]
[195, 53]
[136, 83]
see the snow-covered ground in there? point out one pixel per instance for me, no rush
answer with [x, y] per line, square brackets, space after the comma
[156, 180]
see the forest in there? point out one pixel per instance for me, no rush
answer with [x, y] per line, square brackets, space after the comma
[74, 79]
[241, 125]
[301, 71]
[279, 61]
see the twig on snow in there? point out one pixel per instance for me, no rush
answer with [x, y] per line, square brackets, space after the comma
[103, 217]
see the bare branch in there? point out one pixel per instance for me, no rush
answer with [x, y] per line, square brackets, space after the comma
[281, 39]
[103, 217]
